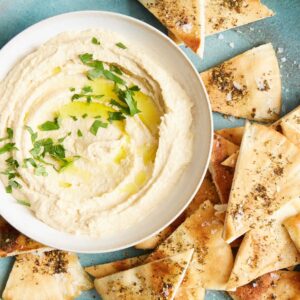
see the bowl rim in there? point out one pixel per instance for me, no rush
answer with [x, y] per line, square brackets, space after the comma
[196, 73]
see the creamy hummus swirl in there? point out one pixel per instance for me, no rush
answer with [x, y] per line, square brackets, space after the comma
[114, 173]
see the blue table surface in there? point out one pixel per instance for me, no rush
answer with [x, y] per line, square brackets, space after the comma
[282, 31]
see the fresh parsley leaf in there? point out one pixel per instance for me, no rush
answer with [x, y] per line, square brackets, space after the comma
[96, 125]
[75, 97]
[30, 161]
[134, 88]
[86, 58]
[10, 132]
[95, 41]
[65, 163]
[72, 89]
[115, 69]
[40, 171]
[14, 184]
[23, 202]
[12, 163]
[8, 147]
[60, 140]
[89, 99]
[132, 104]
[94, 73]
[84, 116]
[33, 134]
[74, 118]
[86, 89]
[122, 108]
[8, 189]
[115, 116]
[79, 133]
[97, 117]
[121, 45]
[49, 125]
[109, 75]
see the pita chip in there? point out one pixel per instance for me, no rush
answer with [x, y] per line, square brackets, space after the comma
[292, 225]
[222, 175]
[12, 242]
[222, 15]
[207, 191]
[203, 232]
[102, 270]
[262, 251]
[233, 135]
[267, 176]
[275, 285]
[289, 126]
[51, 275]
[246, 86]
[159, 279]
[185, 19]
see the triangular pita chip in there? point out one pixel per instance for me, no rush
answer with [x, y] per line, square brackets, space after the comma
[289, 126]
[202, 231]
[233, 135]
[222, 175]
[190, 294]
[207, 191]
[156, 280]
[12, 242]
[292, 225]
[102, 270]
[223, 14]
[262, 251]
[246, 86]
[267, 176]
[281, 285]
[231, 160]
[52, 275]
[185, 19]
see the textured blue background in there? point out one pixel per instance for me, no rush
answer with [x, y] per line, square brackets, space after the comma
[282, 30]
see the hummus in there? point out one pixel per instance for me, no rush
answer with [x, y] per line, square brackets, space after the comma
[95, 133]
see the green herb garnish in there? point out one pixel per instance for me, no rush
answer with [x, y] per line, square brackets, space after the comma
[86, 89]
[115, 116]
[96, 125]
[84, 116]
[122, 108]
[40, 170]
[109, 75]
[74, 118]
[115, 69]
[60, 140]
[33, 134]
[86, 58]
[95, 41]
[8, 147]
[79, 133]
[121, 45]
[23, 202]
[30, 161]
[49, 125]
[10, 134]
[72, 89]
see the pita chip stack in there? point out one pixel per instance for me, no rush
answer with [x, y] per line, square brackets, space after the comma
[246, 86]
[222, 15]
[159, 279]
[185, 19]
[281, 285]
[292, 225]
[267, 176]
[203, 232]
[12, 242]
[207, 191]
[51, 275]
[222, 175]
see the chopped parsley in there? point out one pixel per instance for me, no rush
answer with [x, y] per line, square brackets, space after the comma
[33, 134]
[10, 134]
[60, 140]
[115, 116]
[30, 161]
[84, 116]
[121, 45]
[127, 96]
[72, 89]
[86, 58]
[96, 125]
[95, 41]
[23, 202]
[49, 125]
[8, 147]
[122, 108]
[79, 133]
[115, 69]
[40, 170]
[111, 76]
[86, 89]
[74, 118]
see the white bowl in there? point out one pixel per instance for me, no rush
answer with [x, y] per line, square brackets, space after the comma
[169, 56]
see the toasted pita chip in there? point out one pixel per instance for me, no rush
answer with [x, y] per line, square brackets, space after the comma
[50, 275]
[231, 160]
[222, 175]
[267, 176]
[103, 270]
[185, 19]
[12, 242]
[222, 15]
[174, 38]
[289, 126]
[202, 231]
[281, 285]
[262, 251]
[190, 294]
[292, 224]
[247, 86]
[233, 135]
[156, 280]
[207, 191]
